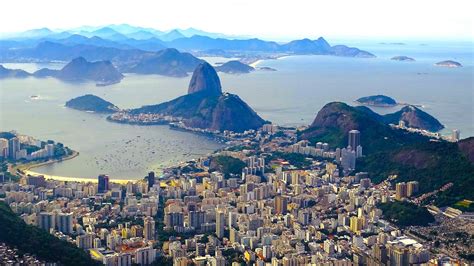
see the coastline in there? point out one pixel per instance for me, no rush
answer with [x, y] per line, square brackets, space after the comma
[26, 169]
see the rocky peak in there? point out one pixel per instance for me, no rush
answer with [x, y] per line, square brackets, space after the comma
[205, 79]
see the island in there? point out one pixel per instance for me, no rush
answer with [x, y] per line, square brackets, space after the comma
[92, 103]
[266, 68]
[80, 70]
[377, 100]
[12, 73]
[234, 67]
[402, 58]
[204, 109]
[449, 63]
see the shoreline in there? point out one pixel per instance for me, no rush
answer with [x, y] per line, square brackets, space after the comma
[26, 169]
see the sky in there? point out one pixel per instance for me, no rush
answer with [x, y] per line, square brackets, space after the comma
[270, 19]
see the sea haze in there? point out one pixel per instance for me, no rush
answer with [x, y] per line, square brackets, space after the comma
[292, 95]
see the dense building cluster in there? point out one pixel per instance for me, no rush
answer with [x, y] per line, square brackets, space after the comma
[265, 211]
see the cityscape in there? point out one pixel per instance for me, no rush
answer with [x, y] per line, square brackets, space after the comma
[159, 143]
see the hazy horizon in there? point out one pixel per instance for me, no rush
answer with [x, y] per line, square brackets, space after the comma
[276, 20]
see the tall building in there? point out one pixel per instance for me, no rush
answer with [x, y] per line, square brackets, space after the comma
[220, 222]
[196, 219]
[145, 256]
[456, 135]
[149, 228]
[13, 147]
[65, 223]
[354, 139]
[281, 205]
[45, 221]
[3, 148]
[151, 179]
[401, 190]
[103, 183]
[412, 188]
[85, 241]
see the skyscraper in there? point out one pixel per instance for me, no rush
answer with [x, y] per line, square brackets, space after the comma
[401, 190]
[3, 148]
[65, 223]
[13, 147]
[103, 183]
[456, 135]
[151, 179]
[354, 139]
[281, 205]
[412, 188]
[220, 222]
[149, 228]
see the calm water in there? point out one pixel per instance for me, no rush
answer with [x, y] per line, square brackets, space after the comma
[290, 96]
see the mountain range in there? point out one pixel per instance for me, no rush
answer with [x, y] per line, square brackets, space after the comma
[120, 42]
[78, 70]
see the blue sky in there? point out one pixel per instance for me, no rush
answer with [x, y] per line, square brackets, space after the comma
[380, 19]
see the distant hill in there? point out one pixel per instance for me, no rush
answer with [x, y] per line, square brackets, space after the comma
[91, 103]
[31, 239]
[402, 58]
[391, 151]
[377, 100]
[234, 67]
[167, 62]
[205, 106]
[448, 63]
[414, 117]
[12, 73]
[79, 69]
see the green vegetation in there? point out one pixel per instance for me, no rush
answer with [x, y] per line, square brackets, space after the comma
[228, 165]
[406, 213]
[30, 239]
[390, 151]
[439, 164]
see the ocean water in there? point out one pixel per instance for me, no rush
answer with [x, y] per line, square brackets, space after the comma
[292, 95]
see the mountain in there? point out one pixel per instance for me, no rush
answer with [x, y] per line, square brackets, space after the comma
[198, 42]
[389, 151]
[172, 35]
[12, 73]
[448, 63]
[33, 240]
[377, 100]
[414, 117]
[167, 62]
[234, 67]
[91, 103]
[53, 51]
[77, 39]
[107, 33]
[402, 58]
[205, 106]
[307, 46]
[205, 79]
[343, 50]
[141, 35]
[79, 69]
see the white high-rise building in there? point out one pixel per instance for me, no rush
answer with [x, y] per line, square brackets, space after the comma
[220, 222]
[149, 228]
[65, 223]
[46, 221]
[145, 256]
[354, 139]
